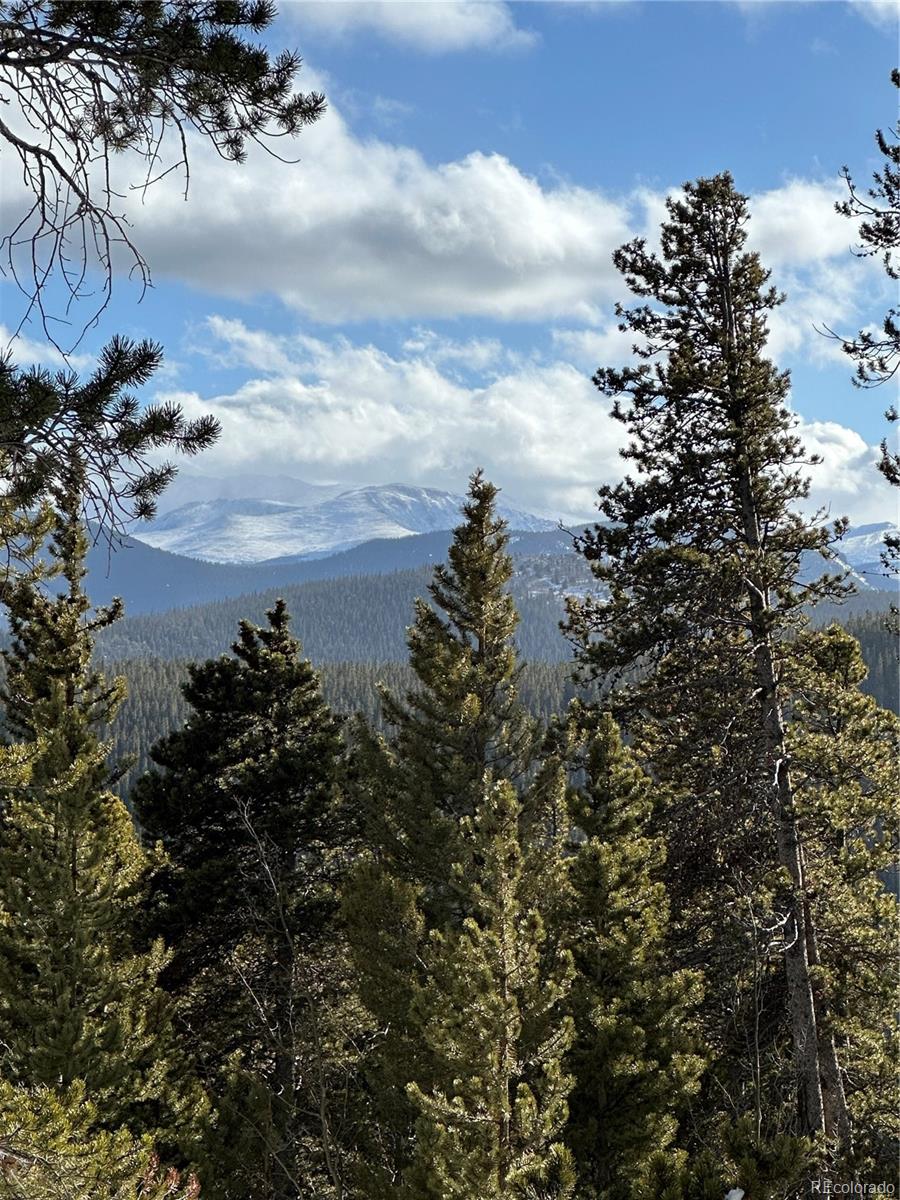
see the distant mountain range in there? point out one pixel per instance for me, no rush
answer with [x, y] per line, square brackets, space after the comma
[151, 580]
[253, 529]
[188, 487]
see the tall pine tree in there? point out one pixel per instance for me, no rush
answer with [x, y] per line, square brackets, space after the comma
[79, 1001]
[451, 859]
[700, 551]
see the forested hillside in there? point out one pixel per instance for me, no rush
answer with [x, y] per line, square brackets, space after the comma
[364, 618]
[154, 704]
[477, 864]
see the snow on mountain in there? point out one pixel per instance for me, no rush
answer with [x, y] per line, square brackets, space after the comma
[256, 530]
[861, 547]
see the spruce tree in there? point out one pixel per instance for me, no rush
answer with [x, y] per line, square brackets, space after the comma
[79, 1002]
[700, 551]
[243, 800]
[634, 1056]
[454, 736]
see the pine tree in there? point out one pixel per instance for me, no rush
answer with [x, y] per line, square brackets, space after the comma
[465, 716]
[244, 803]
[46, 418]
[634, 1057]
[844, 750]
[877, 354]
[459, 732]
[79, 1002]
[53, 1146]
[700, 552]
[491, 1012]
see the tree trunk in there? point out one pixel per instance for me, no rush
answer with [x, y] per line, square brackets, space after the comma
[823, 1102]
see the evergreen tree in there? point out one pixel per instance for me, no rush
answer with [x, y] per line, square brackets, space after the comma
[53, 1146]
[463, 719]
[877, 209]
[845, 754]
[700, 552]
[459, 732]
[491, 1014]
[46, 418]
[79, 1002]
[244, 803]
[634, 1058]
[877, 354]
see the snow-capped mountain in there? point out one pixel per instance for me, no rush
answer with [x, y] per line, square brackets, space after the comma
[861, 547]
[256, 530]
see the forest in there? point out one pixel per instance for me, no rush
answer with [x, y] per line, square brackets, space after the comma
[531, 896]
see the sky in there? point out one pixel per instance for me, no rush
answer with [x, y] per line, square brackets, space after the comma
[429, 286]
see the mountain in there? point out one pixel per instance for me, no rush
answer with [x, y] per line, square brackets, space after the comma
[252, 530]
[861, 548]
[151, 580]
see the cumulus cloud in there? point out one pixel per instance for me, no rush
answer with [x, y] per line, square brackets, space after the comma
[361, 229]
[433, 26]
[796, 224]
[339, 411]
[846, 482]
[366, 229]
[333, 409]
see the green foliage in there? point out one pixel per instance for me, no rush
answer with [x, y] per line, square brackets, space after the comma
[90, 1078]
[79, 998]
[243, 800]
[459, 731]
[700, 551]
[846, 755]
[634, 1058]
[490, 1011]
[876, 353]
[56, 431]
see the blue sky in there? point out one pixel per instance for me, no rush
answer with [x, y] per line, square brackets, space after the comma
[430, 287]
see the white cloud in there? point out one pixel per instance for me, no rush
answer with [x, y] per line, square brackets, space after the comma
[796, 224]
[347, 412]
[336, 410]
[593, 348]
[846, 482]
[27, 352]
[361, 229]
[434, 26]
[885, 14]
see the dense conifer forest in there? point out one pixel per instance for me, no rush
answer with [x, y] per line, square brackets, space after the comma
[570, 879]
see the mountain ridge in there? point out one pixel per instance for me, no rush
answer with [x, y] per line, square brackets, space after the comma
[250, 529]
